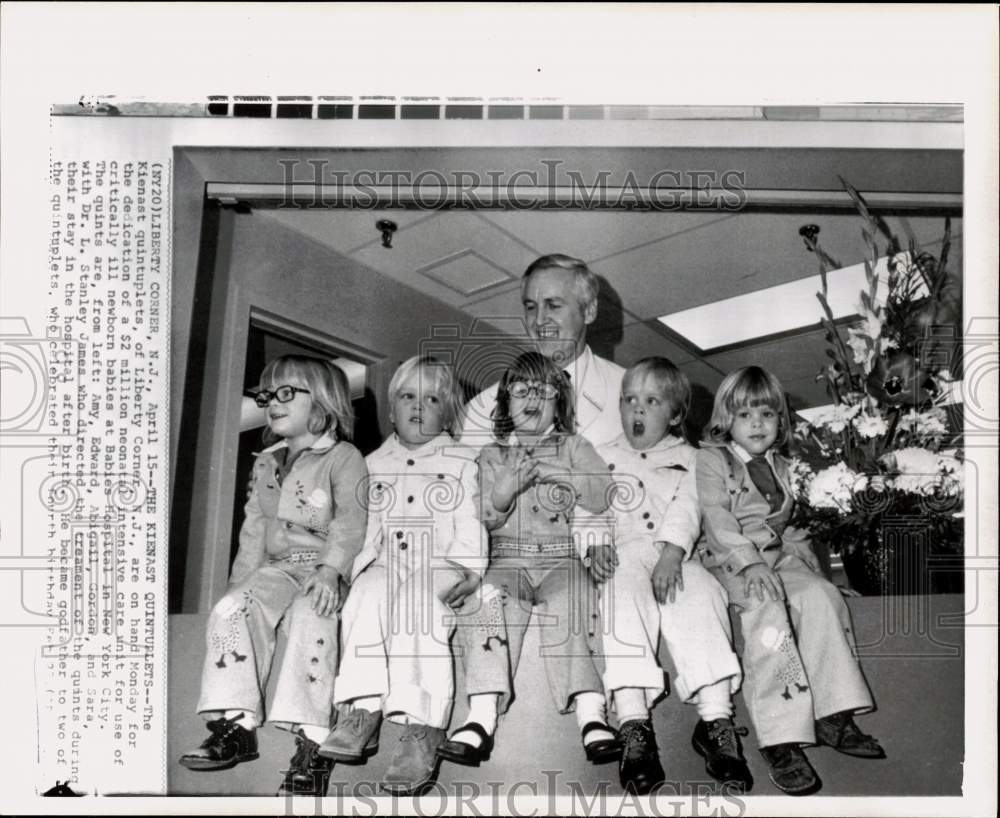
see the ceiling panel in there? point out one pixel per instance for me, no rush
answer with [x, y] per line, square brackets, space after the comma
[592, 235]
[734, 256]
[797, 356]
[636, 341]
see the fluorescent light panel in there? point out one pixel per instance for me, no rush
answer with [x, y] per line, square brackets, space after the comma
[774, 310]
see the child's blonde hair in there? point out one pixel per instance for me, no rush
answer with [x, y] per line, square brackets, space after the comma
[331, 398]
[673, 383]
[436, 376]
[748, 387]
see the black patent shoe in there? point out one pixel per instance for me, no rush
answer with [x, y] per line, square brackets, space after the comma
[604, 750]
[718, 742]
[840, 732]
[790, 770]
[462, 753]
[308, 772]
[228, 745]
[640, 771]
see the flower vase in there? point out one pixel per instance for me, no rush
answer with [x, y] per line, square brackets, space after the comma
[899, 556]
[892, 561]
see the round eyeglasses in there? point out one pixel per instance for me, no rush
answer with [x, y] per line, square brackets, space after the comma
[521, 389]
[282, 393]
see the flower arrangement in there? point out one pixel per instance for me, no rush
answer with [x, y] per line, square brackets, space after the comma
[885, 450]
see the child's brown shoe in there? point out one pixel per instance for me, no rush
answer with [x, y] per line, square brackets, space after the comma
[355, 737]
[413, 763]
[228, 745]
[840, 732]
[790, 770]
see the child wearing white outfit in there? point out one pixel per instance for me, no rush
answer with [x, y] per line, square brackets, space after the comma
[652, 587]
[304, 525]
[424, 551]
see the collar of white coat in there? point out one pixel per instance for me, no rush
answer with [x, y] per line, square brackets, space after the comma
[665, 444]
[428, 449]
[323, 442]
[587, 379]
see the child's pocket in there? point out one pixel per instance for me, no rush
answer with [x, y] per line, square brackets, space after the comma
[268, 491]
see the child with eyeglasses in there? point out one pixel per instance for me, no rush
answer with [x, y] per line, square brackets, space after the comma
[303, 527]
[530, 482]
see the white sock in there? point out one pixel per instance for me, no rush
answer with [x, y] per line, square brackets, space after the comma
[373, 704]
[590, 706]
[482, 710]
[630, 705]
[315, 733]
[715, 702]
[249, 720]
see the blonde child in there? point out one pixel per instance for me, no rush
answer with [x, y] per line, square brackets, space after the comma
[652, 587]
[802, 682]
[424, 552]
[531, 481]
[304, 525]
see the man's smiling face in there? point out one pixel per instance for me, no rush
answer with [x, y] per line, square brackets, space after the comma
[555, 318]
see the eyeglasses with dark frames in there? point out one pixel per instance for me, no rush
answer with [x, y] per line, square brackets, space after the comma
[283, 393]
[522, 389]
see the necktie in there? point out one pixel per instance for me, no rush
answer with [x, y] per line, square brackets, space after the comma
[763, 478]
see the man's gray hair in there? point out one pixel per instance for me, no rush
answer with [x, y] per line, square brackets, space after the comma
[587, 285]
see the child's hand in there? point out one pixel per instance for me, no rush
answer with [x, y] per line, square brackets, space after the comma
[603, 560]
[668, 578]
[762, 580]
[323, 585]
[516, 472]
[549, 473]
[456, 594]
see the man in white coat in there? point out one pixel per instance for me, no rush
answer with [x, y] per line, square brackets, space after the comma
[559, 297]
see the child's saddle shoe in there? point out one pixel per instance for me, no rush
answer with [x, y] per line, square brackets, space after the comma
[354, 738]
[308, 772]
[228, 745]
[840, 732]
[640, 771]
[790, 770]
[718, 742]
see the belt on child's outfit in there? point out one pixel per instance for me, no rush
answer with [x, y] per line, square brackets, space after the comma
[297, 557]
[546, 546]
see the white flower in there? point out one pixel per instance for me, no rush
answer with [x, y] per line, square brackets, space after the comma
[930, 423]
[901, 262]
[871, 425]
[800, 476]
[922, 471]
[862, 347]
[838, 417]
[834, 487]
[318, 499]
